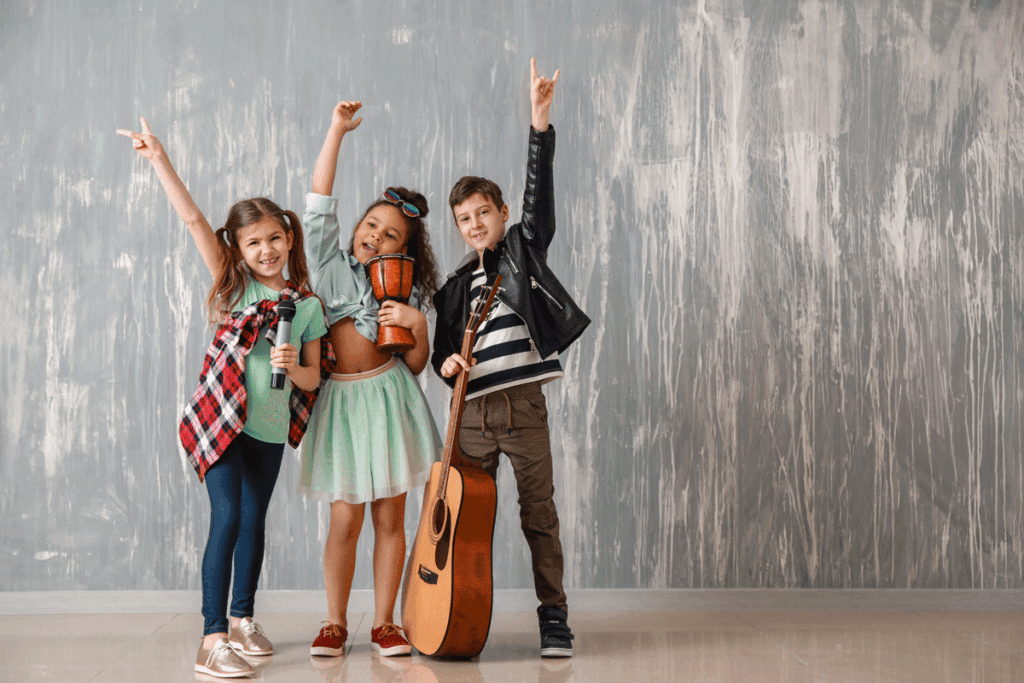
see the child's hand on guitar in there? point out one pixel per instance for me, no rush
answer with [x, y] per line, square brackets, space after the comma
[455, 364]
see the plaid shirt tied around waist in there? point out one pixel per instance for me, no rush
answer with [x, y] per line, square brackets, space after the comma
[216, 414]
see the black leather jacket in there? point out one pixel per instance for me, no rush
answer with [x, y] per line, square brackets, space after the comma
[528, 286]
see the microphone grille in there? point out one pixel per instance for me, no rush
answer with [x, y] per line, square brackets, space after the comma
[286, 309]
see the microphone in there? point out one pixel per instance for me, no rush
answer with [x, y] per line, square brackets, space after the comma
[285, 313]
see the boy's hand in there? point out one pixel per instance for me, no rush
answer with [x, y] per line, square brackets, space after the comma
[454, 364]
[286, 357]
[542, 91]
[342, 116]
[145, 143]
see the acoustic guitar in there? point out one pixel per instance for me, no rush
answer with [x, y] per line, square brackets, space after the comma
[448, 588]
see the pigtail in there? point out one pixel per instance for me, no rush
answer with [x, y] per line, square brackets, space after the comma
[229, 285]
[298, 272]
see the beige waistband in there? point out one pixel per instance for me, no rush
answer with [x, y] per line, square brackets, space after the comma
[365, 375]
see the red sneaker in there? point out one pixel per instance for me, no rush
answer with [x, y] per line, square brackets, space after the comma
[330, 642]
[389, 641]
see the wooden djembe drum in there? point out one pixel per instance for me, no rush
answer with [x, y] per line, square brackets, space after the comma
[391, 278]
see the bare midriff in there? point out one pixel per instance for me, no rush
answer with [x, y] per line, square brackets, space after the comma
[354, 352]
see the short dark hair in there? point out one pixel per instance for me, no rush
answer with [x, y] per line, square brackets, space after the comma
[470, 185]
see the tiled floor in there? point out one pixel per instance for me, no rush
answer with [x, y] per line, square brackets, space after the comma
[744, 646]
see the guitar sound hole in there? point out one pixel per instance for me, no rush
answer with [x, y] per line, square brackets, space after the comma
[443, 529]
[440, 516]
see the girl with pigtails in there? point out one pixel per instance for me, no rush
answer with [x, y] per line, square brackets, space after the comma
[236, 425]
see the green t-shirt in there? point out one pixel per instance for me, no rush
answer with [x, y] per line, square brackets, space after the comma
[268, 417]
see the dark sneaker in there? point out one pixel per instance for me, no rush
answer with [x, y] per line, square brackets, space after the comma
[555, 636]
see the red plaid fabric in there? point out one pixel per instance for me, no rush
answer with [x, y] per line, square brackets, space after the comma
[216, 414]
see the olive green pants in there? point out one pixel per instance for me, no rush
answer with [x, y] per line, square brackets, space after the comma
[514, 421]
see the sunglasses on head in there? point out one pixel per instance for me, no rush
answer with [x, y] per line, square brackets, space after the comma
[408, 209]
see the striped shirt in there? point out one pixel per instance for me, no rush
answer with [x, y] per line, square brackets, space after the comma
[504, 352]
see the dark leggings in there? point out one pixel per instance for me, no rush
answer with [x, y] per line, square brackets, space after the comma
[240, 484]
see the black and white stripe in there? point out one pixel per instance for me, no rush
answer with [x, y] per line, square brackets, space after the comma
[504, 352]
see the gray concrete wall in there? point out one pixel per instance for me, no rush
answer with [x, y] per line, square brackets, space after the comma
[795, 223]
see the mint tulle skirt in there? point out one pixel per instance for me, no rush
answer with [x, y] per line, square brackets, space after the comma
[371, 436]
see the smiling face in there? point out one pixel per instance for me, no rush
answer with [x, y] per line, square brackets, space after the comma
[480, 222]
[382, 231]
[265, 246]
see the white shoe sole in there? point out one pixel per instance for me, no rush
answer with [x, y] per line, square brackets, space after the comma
[327, 651]
[392, 651]
[555, 652]
[210, 672]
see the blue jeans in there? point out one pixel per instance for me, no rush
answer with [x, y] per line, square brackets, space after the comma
[240, 484]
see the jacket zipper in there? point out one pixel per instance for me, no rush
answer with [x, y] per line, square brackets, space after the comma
[537, 285]
[512, 262]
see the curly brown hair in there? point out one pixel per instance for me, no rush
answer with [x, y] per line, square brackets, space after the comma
[425, 275]
[229, 285]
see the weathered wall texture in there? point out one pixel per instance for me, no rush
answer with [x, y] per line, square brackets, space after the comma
[795, 223]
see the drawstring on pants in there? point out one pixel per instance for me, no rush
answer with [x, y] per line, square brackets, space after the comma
[483, 413]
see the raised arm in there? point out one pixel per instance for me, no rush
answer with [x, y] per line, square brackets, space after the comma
[542, 91]
[327, 162]
[538, 219]
[148, 147]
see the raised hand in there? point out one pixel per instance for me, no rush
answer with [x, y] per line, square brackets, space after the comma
[145, 143]
[542, 91]
[327, 162]
[342, 116]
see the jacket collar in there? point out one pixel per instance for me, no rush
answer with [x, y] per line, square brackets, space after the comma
[468, 260]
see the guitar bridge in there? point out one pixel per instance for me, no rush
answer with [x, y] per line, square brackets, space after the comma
[427, 575]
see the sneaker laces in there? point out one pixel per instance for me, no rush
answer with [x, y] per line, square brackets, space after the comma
[389, 630]
[250, 627]
[218, 651]
[332, 629]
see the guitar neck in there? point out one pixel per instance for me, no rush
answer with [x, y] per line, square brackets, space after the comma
[480, 310]
[458, 407]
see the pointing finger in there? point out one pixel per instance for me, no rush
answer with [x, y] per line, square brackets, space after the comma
[145, 126]
[533, 68]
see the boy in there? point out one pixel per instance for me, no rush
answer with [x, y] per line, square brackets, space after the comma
[532, 320]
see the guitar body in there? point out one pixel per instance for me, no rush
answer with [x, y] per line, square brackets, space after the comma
[448, 589]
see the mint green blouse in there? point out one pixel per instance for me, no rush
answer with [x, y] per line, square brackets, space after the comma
[335, 275]
[267, 414]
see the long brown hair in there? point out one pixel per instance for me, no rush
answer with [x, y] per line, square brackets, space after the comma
[229, 285]
[417, 243]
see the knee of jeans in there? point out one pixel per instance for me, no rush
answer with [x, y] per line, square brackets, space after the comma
[226, 519]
